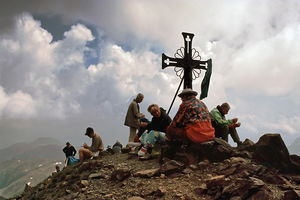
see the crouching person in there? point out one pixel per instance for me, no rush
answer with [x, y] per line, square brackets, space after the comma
[93, 150]
[156, 129]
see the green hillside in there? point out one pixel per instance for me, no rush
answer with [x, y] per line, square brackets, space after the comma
[15, 174]
[24, 163]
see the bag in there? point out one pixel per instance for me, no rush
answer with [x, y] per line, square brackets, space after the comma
[72, 160]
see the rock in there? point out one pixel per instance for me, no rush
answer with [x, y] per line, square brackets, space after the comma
[238, 160]
[261, 194]
[108, 195]
[201, 189]
[84, 182]
[170, 167]
[271, 150]
[238, 187]
[291, 195]
[187, 171]
[96, 176]
[120, 174]
[161, 191]
[135, 198]
[203, 163]
[228, 171]
[295, 160]
[246, 144]
[158, 193]
[216, 181]
[147, 173]
[68, 191]
[257, 182]
[235, 198]
[193, 167]
[272, 179]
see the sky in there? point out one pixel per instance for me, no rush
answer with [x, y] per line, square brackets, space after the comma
[70, 64]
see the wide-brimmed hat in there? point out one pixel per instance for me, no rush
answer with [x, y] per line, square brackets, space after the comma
[89, 130]
[187, 91]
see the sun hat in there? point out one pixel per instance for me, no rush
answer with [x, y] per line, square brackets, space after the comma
[187, 91]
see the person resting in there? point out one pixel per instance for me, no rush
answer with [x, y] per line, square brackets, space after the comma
[192, 122]
[224, 127]
[155, 129]
[94, 149]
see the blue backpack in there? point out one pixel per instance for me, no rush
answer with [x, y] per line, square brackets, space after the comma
[72, 160]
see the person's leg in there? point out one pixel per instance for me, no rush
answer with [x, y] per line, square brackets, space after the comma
[132, 134]
[221, 131]
[84, 154]
[235, 136]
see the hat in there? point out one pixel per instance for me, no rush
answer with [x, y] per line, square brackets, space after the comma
[187, 91]
[89, 130]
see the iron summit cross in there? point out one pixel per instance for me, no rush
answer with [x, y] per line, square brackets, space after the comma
[186, 59]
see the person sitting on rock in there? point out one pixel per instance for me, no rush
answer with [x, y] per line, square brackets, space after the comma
[155, 129]
[192, 122]
[93, 150]
[222, 126]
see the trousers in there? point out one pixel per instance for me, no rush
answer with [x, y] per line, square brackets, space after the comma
[222, 131]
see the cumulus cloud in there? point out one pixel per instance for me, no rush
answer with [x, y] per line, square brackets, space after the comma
[47, 77]
[254, 51]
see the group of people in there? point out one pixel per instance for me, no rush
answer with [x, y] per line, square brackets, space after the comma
[87, 151]
[193, 123]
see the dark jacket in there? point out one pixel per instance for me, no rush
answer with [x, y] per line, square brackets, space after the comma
[69, 151]
[160, 123]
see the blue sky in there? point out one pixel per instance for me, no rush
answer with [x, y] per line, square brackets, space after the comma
[67, 65]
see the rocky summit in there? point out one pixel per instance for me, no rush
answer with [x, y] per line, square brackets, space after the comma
[211, 170]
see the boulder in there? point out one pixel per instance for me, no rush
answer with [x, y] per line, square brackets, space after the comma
[271, 150]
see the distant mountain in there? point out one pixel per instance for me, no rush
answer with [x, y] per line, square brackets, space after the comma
[32, 162]
[41, 148]
[294, 148]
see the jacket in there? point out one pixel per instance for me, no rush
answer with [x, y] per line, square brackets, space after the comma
[218, 117]
[159, 123]
[132, 118]
[193, 120]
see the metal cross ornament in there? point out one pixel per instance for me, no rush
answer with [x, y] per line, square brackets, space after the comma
[187, 62]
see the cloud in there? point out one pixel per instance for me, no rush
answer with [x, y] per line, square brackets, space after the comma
[46, 76]
[254, 51]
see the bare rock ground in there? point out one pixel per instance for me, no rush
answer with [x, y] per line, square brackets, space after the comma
[241, 174]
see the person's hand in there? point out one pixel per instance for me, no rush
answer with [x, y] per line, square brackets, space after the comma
[85, 146]
[142, 115]
[234, 120]
[238, 124]
[144, 124]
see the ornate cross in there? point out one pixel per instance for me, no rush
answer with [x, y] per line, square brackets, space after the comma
[187, 62]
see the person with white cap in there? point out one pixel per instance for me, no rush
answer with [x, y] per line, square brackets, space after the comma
[192, 122]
